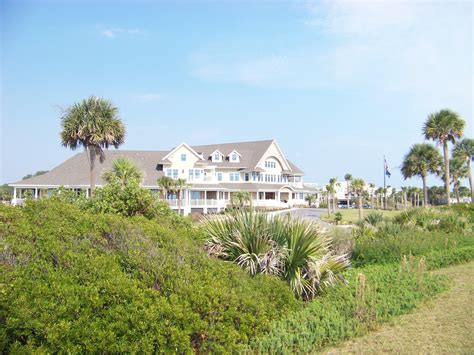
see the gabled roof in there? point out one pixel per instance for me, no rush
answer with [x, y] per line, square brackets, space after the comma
[75, 170]
[250, 152]
[166, 157]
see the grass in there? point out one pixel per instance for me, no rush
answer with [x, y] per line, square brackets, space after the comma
[351, 216]
[443, 325]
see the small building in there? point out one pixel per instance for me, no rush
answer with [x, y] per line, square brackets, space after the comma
[213, 173]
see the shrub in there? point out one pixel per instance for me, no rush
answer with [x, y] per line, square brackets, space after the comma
[74, 281]
[432, 219]
[288, 247]
[338, 217]
[374, 218]
[374, 294]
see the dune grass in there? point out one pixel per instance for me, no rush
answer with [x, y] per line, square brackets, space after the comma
[441, 326]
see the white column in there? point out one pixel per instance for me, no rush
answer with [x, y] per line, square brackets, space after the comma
[36, 193]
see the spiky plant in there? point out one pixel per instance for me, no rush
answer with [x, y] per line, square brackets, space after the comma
[123, 171]
[290, 248]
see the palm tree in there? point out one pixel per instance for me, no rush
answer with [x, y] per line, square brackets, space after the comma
[464, 150]
[288, 247]
[421, 160]
[333, 184]
[311, 199]
[358, 187]
[404, 196]
[178, 186]
[123, 171]
[94, 125]
[241, 199]
[443, 127]
[459, 170]
[348, 179]
[166, 184]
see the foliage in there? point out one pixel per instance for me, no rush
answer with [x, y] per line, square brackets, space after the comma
[38, 173]
[241, 199]
[94, 125]
[374, 294]
[123, 171]
[6, 192]
[433, 219]
[338, 217]
[374, 218]
[288, 247]
[76, 282]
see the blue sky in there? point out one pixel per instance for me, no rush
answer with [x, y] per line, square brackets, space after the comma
[337, 84]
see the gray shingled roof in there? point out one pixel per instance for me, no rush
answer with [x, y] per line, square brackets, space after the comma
[75, 171]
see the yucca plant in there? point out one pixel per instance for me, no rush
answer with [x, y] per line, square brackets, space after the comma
[291, 248]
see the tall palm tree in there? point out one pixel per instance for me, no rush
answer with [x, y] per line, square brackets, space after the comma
[333, 184]
[421, 160]
[93, 124]
[372, 187]
[358, 187]
[178, 187]
[166, 184]
[328, 192]
[348, 179]
[404, 196]
[123, 171]
[464, 150]
[459, 170]
[443, 127]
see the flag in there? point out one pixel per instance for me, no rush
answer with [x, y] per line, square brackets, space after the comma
[386, 168]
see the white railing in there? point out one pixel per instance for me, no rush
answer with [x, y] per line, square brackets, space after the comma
[269, 203]
[198, 203]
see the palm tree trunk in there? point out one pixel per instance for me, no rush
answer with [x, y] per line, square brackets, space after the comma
[92, 155]
[456, 189]
[329, 206]
[360, 208]
[425, 191]
[446, 170]
[469, 175]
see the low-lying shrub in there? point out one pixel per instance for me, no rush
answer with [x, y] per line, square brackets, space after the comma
[388, 247]
[74, 281]
[374, 295]
[432, 219]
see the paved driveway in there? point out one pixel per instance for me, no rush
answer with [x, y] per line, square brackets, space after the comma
[313, 214]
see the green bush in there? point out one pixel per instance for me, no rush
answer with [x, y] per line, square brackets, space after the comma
[374, 218]
[375, 294]
[74, 281]
[432, 219]
[390, 247]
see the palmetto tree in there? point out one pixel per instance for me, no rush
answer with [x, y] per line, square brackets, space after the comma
[178, 186]
[241, 199]
[333, 184]
[443, 127]
[358, 187]
[288, 247]
[458, 170]
[123, 171]
[94, 125]
[421, 160]
[464, 150]
[348, 179]
[166, 184]
[372, 187]
[311, 199]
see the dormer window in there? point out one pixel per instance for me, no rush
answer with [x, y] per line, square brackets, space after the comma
[234, 156]
[216, 156]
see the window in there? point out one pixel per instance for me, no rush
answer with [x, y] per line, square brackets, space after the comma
[219, 176]
[234, 157]
[247, 177]
[183, 157]
[169, 172]
[234, 176]
[175, 173]
[195, 195]
[197, 173]
[217, 157]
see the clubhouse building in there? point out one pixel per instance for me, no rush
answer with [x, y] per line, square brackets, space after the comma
[213, 174]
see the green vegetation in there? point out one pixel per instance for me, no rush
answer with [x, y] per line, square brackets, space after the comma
[374, 294]
[288, 247]
[390, 278]
[351, 215]
[442, 326]
[75, 281]
[92, 124]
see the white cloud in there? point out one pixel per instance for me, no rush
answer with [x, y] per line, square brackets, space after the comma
[419, 48]
[114, 32]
